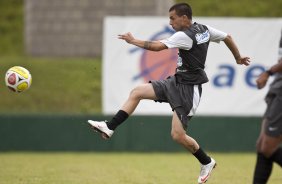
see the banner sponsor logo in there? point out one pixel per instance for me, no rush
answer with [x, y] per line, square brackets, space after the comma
[231, 90]
[156, 65]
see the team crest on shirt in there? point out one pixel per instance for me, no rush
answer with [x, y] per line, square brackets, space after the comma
[179, 61]
[202, 37]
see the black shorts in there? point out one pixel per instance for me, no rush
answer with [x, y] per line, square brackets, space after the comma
[183, 98]
[273, 113]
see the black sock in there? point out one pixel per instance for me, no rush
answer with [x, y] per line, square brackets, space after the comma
[277, 156]
[263, 169]
[118, 119]
[202, 157]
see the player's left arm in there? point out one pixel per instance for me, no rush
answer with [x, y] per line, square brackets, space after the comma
[217, 36]
[241, 60]
[148, 45]
[275, 68]
[263, 77]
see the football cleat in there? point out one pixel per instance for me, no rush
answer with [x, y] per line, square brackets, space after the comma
[206, 171]
[101, 126]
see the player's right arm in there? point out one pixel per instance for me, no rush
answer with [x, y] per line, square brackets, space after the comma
[148, 45]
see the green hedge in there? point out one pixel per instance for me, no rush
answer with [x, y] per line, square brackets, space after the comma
[236, 8]
[138, 133]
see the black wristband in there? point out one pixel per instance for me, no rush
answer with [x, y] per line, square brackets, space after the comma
[269, 72]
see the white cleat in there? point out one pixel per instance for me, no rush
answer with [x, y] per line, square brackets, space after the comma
[101, 126]
[206, 171]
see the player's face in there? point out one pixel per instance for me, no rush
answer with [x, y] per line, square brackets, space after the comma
[178, 23]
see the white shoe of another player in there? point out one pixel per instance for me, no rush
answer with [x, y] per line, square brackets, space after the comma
[206, 171]
[101, 126]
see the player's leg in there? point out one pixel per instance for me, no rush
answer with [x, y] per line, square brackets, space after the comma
[272, 134]
[264, 165]
[179, 135]
[269, 145]
[143, 91]
[268, 151]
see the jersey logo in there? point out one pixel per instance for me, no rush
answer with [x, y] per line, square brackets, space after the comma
[202, 37]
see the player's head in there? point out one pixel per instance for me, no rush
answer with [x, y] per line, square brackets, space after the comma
[180, 16]
[182, 9]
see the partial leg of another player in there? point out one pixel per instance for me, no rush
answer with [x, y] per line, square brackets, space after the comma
[268, 151]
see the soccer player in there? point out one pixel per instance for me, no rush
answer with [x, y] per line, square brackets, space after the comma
[268, 150]
[182, 90]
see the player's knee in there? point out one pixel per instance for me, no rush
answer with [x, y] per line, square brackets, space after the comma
[266, 151]
[258, 145]
[135, 93]
[267, 145]
[178, 137]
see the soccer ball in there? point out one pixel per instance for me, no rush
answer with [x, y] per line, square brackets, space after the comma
[18, 79]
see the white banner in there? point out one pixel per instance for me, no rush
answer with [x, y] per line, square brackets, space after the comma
[231, 90]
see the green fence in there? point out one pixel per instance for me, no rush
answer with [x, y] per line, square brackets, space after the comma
[138, 133]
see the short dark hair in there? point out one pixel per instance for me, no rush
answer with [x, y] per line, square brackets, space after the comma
[182, 9]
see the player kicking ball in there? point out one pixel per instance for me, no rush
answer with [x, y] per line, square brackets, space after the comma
[183, 89]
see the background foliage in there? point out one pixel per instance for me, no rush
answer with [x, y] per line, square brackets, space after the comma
[236, 8]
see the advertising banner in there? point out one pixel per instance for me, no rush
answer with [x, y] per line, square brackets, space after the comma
[231, 90]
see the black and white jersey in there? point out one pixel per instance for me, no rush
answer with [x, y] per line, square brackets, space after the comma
[193, 46]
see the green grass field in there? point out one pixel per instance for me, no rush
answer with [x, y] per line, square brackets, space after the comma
[73, 86]
[124, 168]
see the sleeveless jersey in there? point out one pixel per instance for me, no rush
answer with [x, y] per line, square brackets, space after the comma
[191, 63]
